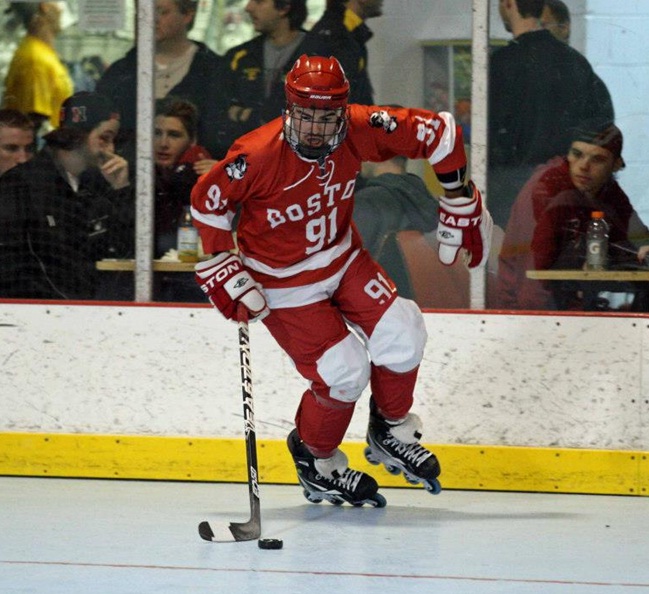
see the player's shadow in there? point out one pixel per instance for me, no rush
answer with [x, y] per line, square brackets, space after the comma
[399, 516]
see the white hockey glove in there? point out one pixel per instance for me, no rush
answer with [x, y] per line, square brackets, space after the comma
[226, 282]
[464, 223]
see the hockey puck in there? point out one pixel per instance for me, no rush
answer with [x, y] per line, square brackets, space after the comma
[270, 543]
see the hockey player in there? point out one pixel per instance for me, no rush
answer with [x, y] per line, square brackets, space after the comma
[302, 269]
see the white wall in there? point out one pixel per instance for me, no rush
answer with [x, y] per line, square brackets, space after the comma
[528, 380]
[617, 45]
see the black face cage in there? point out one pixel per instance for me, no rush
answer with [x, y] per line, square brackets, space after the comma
[293, 124]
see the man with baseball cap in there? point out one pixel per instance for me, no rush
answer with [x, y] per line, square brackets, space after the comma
[71, 205]
[547, 225]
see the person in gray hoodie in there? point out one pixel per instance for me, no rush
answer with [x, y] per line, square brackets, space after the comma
[390, 200]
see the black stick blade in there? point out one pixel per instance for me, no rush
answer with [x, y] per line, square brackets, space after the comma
[205, 531]
[250, 530]
[236, 532]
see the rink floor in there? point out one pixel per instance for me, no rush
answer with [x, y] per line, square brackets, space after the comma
[68, 536]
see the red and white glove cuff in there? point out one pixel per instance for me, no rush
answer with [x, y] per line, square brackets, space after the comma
[459, 206]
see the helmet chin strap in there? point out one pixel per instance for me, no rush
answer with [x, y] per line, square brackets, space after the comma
[313, 153]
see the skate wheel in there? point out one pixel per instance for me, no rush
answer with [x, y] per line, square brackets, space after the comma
[377, 501]
[433, 487]
[370, 457]
[392, 469]
[312, 497]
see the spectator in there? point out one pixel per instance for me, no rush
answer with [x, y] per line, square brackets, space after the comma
[539, 88]
[342, 28]
[86, 72]
[37, 82]
[16, 139]
[392, 200]
[67, 207]
[253, 82]
[179, 162]
[556, 19]
[301, 267]
[547, 225]
[183, 68]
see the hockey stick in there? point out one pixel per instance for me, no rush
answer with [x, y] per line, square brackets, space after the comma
[250, 530]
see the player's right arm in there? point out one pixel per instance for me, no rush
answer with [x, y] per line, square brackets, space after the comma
[223, 278]
[214, 199]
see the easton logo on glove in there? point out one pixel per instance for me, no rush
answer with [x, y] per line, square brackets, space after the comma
[226, 283]
[220, 274]
[464, 224]
[453, 221]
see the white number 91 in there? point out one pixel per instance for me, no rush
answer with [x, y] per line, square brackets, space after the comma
[379, 288]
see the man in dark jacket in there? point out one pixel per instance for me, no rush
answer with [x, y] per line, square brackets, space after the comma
[66, 208]
[185, 68]
[342, 28]
[252, 85]
[539, 89]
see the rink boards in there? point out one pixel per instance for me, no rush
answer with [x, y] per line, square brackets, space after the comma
[509, 402]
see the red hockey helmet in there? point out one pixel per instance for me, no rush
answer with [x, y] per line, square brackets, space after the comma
[317, 82]
[315, 87]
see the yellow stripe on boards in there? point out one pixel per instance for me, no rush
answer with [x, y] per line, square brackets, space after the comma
[483, 467]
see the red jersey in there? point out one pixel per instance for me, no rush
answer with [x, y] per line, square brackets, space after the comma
[561, 220]
[295, 215]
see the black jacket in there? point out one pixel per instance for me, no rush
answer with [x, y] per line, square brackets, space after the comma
[242, 84]
[200, 86]
[349, 47]
[172, 193]
[539, 88]
[51, 236]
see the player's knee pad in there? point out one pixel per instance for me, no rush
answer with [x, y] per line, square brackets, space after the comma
[399, 339]
[345, 368]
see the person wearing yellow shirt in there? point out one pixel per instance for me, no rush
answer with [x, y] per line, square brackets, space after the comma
[38, 82]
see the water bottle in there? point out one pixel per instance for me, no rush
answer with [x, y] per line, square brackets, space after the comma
[596, 242]
[187, 238]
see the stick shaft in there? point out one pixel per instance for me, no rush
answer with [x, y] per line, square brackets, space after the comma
[250, 530]
[248, 407]
[249, 427]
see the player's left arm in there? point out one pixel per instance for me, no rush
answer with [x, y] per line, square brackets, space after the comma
[419, 134]
[464, 222]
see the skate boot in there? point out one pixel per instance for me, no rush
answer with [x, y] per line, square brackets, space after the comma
[396, 446]
[331, 479]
